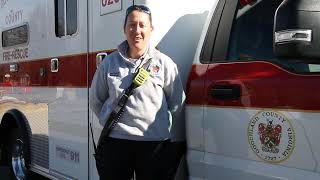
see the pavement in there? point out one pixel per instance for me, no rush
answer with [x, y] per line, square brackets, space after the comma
[4, 173]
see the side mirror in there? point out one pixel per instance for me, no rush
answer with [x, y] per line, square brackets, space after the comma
[297, 30]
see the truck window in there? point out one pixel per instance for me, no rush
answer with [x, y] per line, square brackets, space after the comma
[251, 37]
[66, 20]
[15, 36]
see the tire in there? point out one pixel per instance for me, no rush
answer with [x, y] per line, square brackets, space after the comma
[18, 155]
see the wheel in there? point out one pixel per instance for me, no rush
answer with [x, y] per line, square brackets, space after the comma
[17, 154]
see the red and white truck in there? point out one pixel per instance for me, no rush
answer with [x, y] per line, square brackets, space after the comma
[251, 69]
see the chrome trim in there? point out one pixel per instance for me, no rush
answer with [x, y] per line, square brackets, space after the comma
[293, 35]
[51, 174]
[60, 176]
[40, 170]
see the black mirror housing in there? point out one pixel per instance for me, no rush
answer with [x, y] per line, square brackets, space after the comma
[297, 29]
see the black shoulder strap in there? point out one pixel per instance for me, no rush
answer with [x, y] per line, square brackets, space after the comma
[116, 114]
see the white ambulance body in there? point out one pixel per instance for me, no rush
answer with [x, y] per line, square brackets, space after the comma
[253, 106]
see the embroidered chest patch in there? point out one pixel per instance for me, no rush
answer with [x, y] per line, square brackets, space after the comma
[155, 69]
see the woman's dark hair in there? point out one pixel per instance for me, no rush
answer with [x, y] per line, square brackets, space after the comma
[140, 8]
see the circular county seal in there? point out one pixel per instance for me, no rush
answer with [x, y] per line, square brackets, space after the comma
[271, 136]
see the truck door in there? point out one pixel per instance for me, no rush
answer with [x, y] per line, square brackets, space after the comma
[261, 112]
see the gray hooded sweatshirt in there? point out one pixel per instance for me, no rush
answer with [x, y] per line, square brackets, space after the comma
[154, 111]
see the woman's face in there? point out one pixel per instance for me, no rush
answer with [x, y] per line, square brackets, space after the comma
[138, 30]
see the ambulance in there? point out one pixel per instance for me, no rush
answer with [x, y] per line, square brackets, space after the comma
[251, 71]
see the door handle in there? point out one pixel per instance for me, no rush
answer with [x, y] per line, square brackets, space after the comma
[226, 92]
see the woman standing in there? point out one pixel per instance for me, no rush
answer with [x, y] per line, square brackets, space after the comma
[141, 143]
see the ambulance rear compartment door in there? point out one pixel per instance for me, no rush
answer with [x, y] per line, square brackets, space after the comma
[67, 77]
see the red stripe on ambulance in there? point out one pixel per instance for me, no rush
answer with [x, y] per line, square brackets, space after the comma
[262, 85]
[72, 72]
